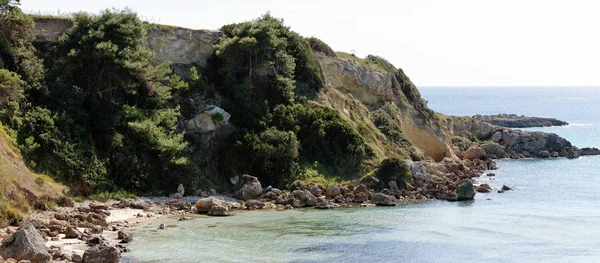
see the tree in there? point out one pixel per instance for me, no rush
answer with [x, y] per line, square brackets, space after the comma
[117, 102]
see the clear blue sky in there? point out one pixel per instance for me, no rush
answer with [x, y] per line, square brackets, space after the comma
[436, 42]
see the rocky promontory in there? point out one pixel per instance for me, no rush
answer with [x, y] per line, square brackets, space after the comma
[516, 121]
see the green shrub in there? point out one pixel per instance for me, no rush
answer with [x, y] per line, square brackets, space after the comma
[394, 169]
[320, 46]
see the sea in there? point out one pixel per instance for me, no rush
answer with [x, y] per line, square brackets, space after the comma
[553, 215]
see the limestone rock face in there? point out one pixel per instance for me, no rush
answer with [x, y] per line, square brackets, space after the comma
[182, 45]
[25, 244]
[369, 85]
[493, 150]
[474, 152]
[208, 120]
[49, 30]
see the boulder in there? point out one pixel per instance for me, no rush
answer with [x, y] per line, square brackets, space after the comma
[543, 154]
[98, 206]
[497, 137]
[84, 209]
[25, 244]
[72, 232]
[125, 237]
[180, 191]
[333, 191]
[493, 150]
[393, 186]
[76, 258]
[218, 210]
[360, 197]
[203, 205]
[381, 199]
[250, 190]
[102, 254]
[504, 189]
[61, 216]
[96, 240]
[465, 191]
[314, 189]
[371, 182]
[474, 152]
[305, 197]
[254, 204]
[483, 188]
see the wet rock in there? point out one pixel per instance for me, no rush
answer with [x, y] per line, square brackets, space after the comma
[543, 154]
[483, 188]
[490, 174]
[102, 254]
[25, 244]
[250, 190]
[125, 237]
[381, 199]
[590, 151]
[465, 191]
[504, 189]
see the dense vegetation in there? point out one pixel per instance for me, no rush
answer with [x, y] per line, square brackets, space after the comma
[265, 70]
[100, 114]
[102, 118]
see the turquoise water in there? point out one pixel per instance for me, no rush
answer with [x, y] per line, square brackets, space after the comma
[552, 216]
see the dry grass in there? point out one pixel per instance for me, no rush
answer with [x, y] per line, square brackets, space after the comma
[21, 190]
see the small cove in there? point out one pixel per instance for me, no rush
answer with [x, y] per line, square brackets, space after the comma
[552, 216]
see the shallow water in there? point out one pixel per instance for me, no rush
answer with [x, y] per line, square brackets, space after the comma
[552, 216]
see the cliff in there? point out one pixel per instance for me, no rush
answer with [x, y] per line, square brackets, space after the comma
[376, 99]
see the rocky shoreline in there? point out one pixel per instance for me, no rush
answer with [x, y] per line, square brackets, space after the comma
[99, 232]
[516, 121]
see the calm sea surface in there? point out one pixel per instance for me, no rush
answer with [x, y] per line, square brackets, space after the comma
[552, 216]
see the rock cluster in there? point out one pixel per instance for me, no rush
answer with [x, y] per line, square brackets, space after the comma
[516, 121]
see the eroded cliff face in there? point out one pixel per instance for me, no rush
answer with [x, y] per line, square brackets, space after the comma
[356, 90]
[175, 44]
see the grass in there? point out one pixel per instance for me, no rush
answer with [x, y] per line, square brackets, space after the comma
[105, 196]
[22, 190]
[371, 61]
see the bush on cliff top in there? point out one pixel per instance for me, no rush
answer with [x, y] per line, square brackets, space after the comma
[261, 67]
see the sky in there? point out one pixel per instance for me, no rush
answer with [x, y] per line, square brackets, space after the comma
[435, 42]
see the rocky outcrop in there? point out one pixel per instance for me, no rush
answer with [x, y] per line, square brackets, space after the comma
[381, 199]
[210, 119]
[102, 254]
[513, 143]
[212, 206]
[590, 151]
[25, 244]
[515, 121]
[251, 188]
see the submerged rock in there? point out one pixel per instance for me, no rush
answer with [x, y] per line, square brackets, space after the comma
[484, 188]
[465, 191]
